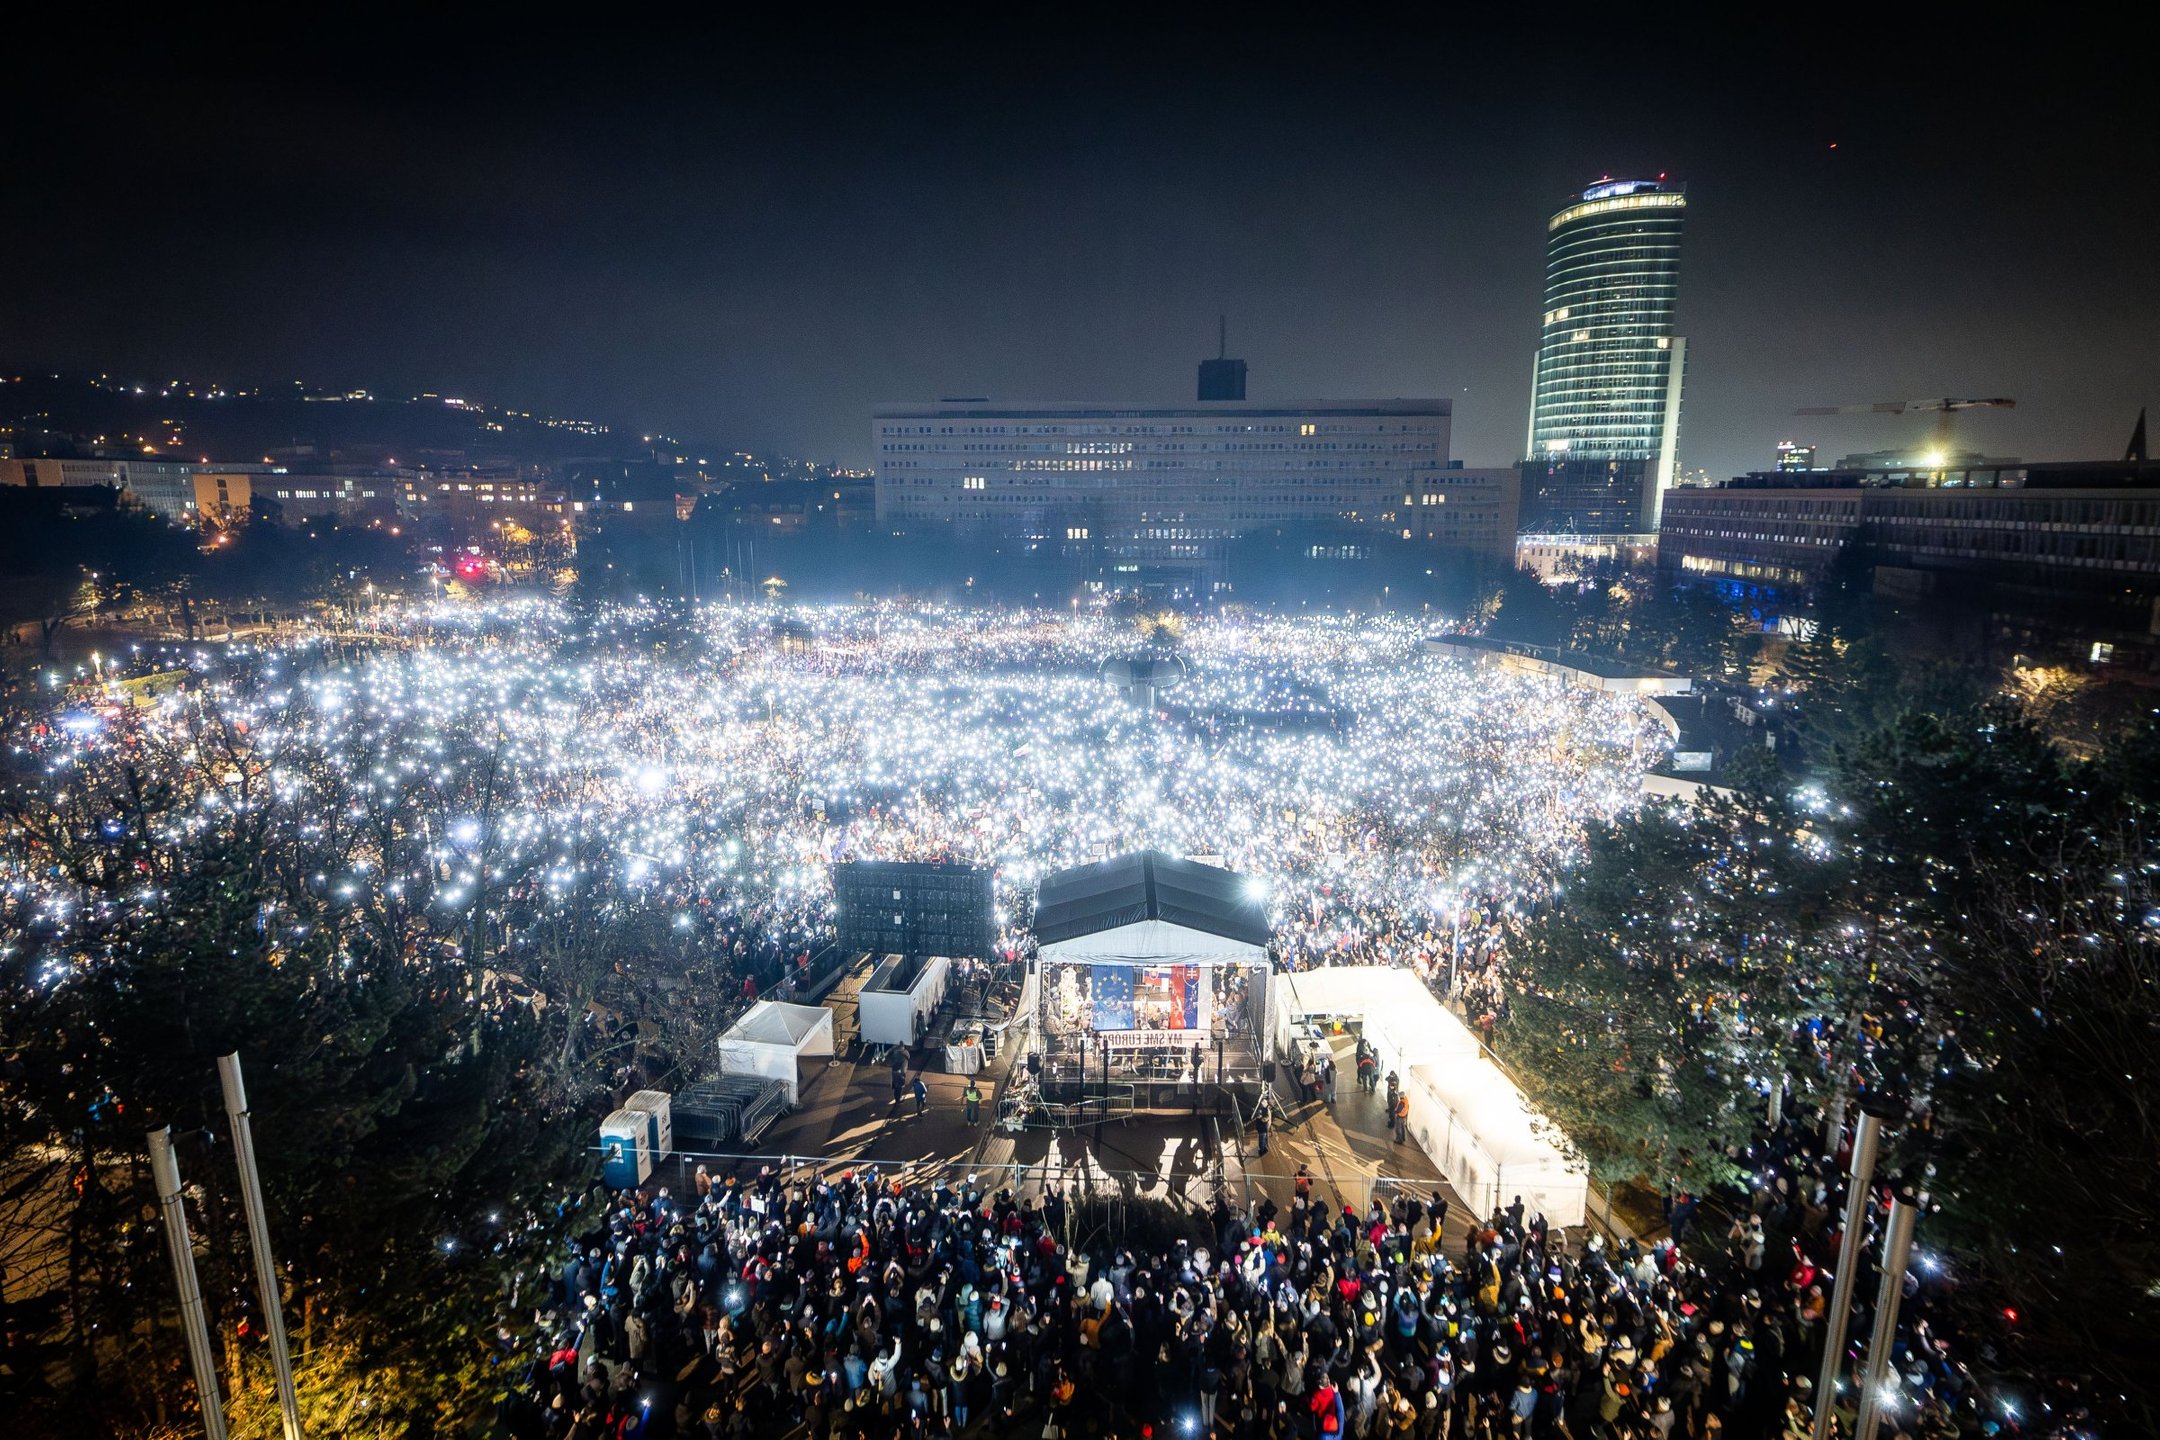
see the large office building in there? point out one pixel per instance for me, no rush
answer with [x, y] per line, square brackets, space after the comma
[344, 497]
[188, 493]
[2063, 550]
[39, 474]
[1463, 510]
[1605, 395]
[1154, 492]
[182, 491]
[474, 500]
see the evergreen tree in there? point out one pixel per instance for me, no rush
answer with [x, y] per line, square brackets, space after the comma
[1529, 611]
[1967, 912]
[1844, 690]
[2014, 888]
[1666, 985]
[205, 922]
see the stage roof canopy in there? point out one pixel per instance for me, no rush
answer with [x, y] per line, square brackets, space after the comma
[1148, 886]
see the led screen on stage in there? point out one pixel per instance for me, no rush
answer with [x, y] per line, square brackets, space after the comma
[1110, 993]
[1144, 997]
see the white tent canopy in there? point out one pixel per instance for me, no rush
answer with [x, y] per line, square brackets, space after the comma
[1397, 1010]
[1484, 1137]
[1152, 942]
[770, 1038]
[1477, 1126]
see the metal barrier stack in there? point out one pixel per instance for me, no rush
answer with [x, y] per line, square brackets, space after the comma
[734, 1109]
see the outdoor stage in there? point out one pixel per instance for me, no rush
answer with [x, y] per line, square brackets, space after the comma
[1151, 984]
[1146, 1041]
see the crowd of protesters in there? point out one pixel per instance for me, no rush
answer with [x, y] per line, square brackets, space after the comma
[857, 1305]
[1461, 956]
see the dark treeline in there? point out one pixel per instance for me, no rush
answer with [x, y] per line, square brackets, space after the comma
[1946, 905]
[69, 566]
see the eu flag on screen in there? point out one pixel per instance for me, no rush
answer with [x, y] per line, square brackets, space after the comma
[1110, 988]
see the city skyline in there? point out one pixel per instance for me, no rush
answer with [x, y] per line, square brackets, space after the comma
[1600, 914]
[761, 253]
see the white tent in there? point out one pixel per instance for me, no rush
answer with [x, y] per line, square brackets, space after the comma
[771, 1037]
[1477, 1126]
[1397, 1010]
[1482, 1134]
[895, 1005]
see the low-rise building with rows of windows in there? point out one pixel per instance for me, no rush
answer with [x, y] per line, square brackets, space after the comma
[2070, 547]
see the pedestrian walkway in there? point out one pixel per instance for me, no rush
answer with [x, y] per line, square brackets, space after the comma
[1349, 1151]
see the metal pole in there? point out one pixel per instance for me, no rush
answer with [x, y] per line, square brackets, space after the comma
[1104, 1104]
[166, 1173]
[266, 1280]
[1867, 1136]
[1897, 1250]
[1454, 959]
[1833, 1128]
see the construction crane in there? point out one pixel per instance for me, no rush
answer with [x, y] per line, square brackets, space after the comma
[1943, 410]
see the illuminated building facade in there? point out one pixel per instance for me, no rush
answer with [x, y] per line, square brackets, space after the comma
[473, 501]
[58, 474]
[2070, 548]
[1471, 511]
[341, 497]
[1605, 396]
[1144, 487]
[183, 491]
[172, 488]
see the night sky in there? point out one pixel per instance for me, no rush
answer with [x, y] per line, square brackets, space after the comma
[752, 238]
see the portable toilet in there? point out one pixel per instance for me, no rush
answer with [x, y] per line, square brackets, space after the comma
[657, 1104]
[626, 1149]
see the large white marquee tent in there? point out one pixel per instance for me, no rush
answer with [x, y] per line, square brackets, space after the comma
[1475, 1123]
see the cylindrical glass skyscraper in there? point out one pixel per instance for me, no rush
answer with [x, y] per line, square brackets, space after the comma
[1605, 404]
